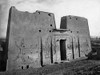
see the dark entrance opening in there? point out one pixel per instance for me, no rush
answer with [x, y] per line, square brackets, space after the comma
[63, 49]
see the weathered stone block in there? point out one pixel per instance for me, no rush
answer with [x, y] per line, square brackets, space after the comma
[69, 48]
[75, 46]
[46, 46]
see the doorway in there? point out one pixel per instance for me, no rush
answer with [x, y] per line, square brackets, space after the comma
[63, 49]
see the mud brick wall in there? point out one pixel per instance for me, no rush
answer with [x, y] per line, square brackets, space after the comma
[29, 37]
[80, 31]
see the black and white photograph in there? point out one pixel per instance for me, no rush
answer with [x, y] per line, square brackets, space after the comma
[49, 37]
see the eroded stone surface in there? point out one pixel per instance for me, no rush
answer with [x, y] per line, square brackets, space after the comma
[29, 39]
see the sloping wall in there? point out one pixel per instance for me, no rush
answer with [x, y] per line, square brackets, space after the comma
[80, 30]
[29, 37]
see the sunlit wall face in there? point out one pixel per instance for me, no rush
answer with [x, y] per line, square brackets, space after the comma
[84, 8]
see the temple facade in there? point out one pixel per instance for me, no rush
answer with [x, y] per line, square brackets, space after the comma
[34, 41]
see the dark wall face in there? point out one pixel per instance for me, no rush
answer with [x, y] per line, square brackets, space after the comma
[3, 55]
[63, 24]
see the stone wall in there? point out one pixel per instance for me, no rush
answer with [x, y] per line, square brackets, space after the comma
[80, 32]
[29, 37]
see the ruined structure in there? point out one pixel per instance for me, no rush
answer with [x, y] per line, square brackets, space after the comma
[34, 41]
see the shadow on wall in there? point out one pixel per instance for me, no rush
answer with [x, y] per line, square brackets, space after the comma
[3, 55]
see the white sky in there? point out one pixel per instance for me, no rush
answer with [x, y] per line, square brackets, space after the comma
[89, 9]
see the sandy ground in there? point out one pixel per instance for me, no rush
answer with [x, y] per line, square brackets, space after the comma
[82, 67]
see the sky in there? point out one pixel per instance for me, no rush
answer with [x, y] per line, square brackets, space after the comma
[89, 9]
